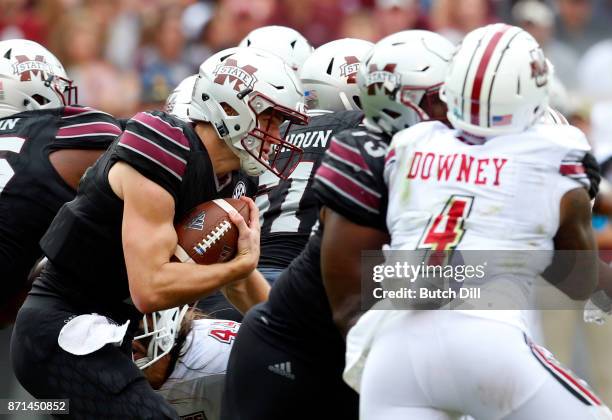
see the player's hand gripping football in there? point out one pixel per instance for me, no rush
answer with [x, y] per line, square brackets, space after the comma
[248, 237]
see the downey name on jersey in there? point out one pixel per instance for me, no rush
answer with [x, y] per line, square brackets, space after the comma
[461, 167]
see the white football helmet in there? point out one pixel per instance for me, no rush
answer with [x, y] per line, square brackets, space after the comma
[498, 82]
[31, 78]
[178, 101]
[163, 328]
[285, 42]
[329, 75]
[233, 97]
[400, 79]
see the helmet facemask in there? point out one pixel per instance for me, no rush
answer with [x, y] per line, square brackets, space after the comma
[263, 144]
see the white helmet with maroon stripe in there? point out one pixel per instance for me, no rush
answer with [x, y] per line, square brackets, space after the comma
[178, 101]
[498, 82]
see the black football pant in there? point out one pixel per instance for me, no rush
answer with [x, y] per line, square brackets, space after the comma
[266, 380]
[102, 385]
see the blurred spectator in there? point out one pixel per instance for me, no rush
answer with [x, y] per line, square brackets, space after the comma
[398, 15]
[164, 64]
[577, 25]
[317, 20]
[28, 19]
[79, 42]
[360, 25]
[538, 19]
[454, 19]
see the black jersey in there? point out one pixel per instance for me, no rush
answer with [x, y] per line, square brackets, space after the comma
[31, 191]
[350, 181]
[84, 241]
[289, 208]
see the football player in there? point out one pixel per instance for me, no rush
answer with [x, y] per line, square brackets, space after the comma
[285, 42]
[290, 343]
[288, 208]
[434, 364]
[184, 357]
[46, 144]
[109, 249]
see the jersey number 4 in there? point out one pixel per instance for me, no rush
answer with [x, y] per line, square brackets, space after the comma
[445, 230]
[8, 144]
[226, 331]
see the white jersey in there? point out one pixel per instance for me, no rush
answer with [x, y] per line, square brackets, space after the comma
[445, 192]
[195, 386]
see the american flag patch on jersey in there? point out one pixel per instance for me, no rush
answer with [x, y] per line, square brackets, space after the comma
[501, 119]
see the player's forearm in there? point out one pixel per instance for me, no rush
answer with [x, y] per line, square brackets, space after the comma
[248, 292]
[175, 284]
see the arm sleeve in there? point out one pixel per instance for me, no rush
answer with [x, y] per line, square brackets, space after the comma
[350, 179]
[85, 128]
[156, 146]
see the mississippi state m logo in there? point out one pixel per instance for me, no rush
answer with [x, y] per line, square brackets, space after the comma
[241, 77]
[28, 68]
[539, 67]
[350, 68]
[382, 78]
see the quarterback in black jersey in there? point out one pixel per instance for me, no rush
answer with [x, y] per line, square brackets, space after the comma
[109, 249]
[291, 343]
[45, 147]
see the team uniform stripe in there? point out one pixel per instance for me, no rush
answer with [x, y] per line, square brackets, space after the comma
[348, 155]
[480, 73]
[75, 111]
[565, 378]
[349, 188]
[162, 128]
[144, 147]
[390, 156]
[89, 129]
[569, 169]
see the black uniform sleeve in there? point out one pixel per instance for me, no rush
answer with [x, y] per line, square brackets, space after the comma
[350, 178]
[85, 128]
[155, 145]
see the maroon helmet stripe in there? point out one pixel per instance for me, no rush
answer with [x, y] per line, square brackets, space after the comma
[480, 72]
[154, 152]
[174, 134]
[89, 129]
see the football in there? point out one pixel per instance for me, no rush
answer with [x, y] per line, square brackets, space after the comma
[207, 235]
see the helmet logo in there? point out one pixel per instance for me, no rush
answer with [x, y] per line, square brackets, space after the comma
[350, 68]
[27, 68]
[539, 67]
[242, 77]
[382, 78]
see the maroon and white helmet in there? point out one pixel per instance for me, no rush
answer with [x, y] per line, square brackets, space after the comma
[329, 75]
[498, 82]
[31, 78]
[400, 79]
[285, 42]
[236, 93]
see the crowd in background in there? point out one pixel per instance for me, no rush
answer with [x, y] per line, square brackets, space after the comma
[126, 54]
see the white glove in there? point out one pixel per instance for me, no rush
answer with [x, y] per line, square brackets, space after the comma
[598, 308]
